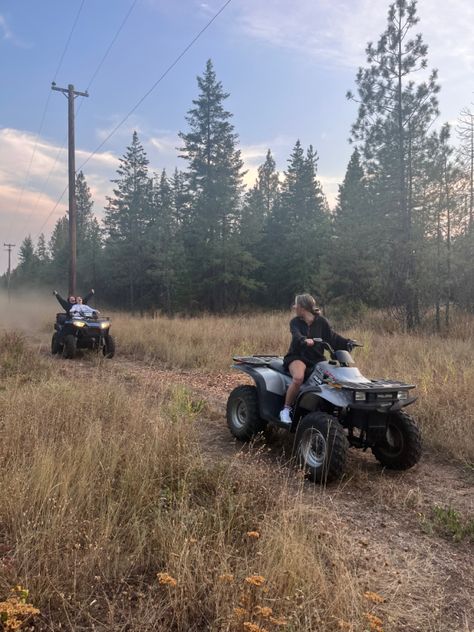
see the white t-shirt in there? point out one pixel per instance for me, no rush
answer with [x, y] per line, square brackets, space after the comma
[82, 310]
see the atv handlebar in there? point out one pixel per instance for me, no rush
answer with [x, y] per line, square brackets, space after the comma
[350, 345]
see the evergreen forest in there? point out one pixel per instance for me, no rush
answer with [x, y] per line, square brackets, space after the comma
[401, 235]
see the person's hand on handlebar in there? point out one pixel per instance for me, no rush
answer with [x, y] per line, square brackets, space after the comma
[309, 342]
[353, 343]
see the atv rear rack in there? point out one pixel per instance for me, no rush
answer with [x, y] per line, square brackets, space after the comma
[256, 360]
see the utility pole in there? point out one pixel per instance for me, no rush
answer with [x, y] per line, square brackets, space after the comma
[8, 248]
[71, 94]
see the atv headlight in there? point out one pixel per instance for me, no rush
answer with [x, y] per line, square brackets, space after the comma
[359, 396]
[402, 395]
[78, 323]
[104, 325]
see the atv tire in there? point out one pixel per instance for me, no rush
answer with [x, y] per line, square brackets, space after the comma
[321, 447]
[109, 347]
[70, 347]
[243, 417]
[56, 346]
[402, 446]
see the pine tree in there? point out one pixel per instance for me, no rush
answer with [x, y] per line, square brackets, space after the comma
[356, 240]
[395, 114]
[127, 217]
[214, 180]
[299, 230]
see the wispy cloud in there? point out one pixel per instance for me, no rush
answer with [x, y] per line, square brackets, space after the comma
[27, 206]
[337, 31]
[7, 34]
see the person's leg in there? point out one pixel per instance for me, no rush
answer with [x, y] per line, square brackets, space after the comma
[297, 370]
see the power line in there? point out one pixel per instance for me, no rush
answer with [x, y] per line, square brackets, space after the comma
[66, 46]
[95, 73]
[166, 72]
[170, 67]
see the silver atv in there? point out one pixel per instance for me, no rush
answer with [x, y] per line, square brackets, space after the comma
[336, 407]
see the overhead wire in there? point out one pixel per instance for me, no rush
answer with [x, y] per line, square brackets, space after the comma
[91, 81]
[140, 101]
[148, 92]
[43, 117]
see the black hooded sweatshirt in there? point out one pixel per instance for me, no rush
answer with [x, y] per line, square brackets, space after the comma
[319, 328]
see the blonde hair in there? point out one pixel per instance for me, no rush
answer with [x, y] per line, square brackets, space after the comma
[307, 302]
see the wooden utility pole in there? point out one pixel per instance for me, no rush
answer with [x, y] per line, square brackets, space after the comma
[71, 95]
[8, 248]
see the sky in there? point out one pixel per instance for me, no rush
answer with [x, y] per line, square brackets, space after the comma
[287, 67]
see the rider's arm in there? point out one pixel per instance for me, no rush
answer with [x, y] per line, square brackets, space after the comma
[298, 337]
[64, 304]
[335, 340]
[88, 297]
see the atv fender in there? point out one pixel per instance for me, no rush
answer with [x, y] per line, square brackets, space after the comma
[271, 389]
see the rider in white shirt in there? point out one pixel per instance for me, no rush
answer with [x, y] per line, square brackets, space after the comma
[79, 309]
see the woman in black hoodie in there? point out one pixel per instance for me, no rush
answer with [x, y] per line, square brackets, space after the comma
[304, 353]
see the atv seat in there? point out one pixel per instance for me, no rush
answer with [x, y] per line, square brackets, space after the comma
[277, 365]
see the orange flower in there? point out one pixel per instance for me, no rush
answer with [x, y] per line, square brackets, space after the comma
[226, 578]
[253, 627]
[166, 580]
[255, 580]
[374, 621]
[263, 611]
[240, 612]
[278, 621]
[253, 534]
[374, 597]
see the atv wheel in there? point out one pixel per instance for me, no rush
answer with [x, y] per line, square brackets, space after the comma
[242, 413]
[321, 447]
[109, 347]
[401, 448]
[70, 346]
[56, 346]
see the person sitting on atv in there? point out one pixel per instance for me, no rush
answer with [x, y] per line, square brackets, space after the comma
[81, 309]
[304, 353]
[66, 305]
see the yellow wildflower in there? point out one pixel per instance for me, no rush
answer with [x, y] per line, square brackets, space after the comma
[374, 621]
[253, 534]
[253, 627]
[166, 580]
[263, 611]
[226, 578]
[255, 580]
[374, 597]
[278, 621]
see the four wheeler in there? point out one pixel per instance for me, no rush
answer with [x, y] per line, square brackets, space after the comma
[82, 332]
[336, 407]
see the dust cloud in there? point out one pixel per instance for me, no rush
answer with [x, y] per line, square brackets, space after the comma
[30, 312]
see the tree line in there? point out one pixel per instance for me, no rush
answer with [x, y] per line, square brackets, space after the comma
[401, 234]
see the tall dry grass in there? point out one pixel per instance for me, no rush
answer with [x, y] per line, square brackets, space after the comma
[102, 488]
[442, 367]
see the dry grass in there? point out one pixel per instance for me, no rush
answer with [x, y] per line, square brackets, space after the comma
[101, 491]
[440, 366]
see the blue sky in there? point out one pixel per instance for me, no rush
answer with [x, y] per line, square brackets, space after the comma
[287, 66]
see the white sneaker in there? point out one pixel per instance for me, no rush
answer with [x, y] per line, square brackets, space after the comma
[285, 416]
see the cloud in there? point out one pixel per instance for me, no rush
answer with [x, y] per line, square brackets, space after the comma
[7, 35]
[337, 31]
[29, 205]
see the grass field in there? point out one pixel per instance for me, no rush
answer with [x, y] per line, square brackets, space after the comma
[114, 517]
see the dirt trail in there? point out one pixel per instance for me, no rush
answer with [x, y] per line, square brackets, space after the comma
[426, 578]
